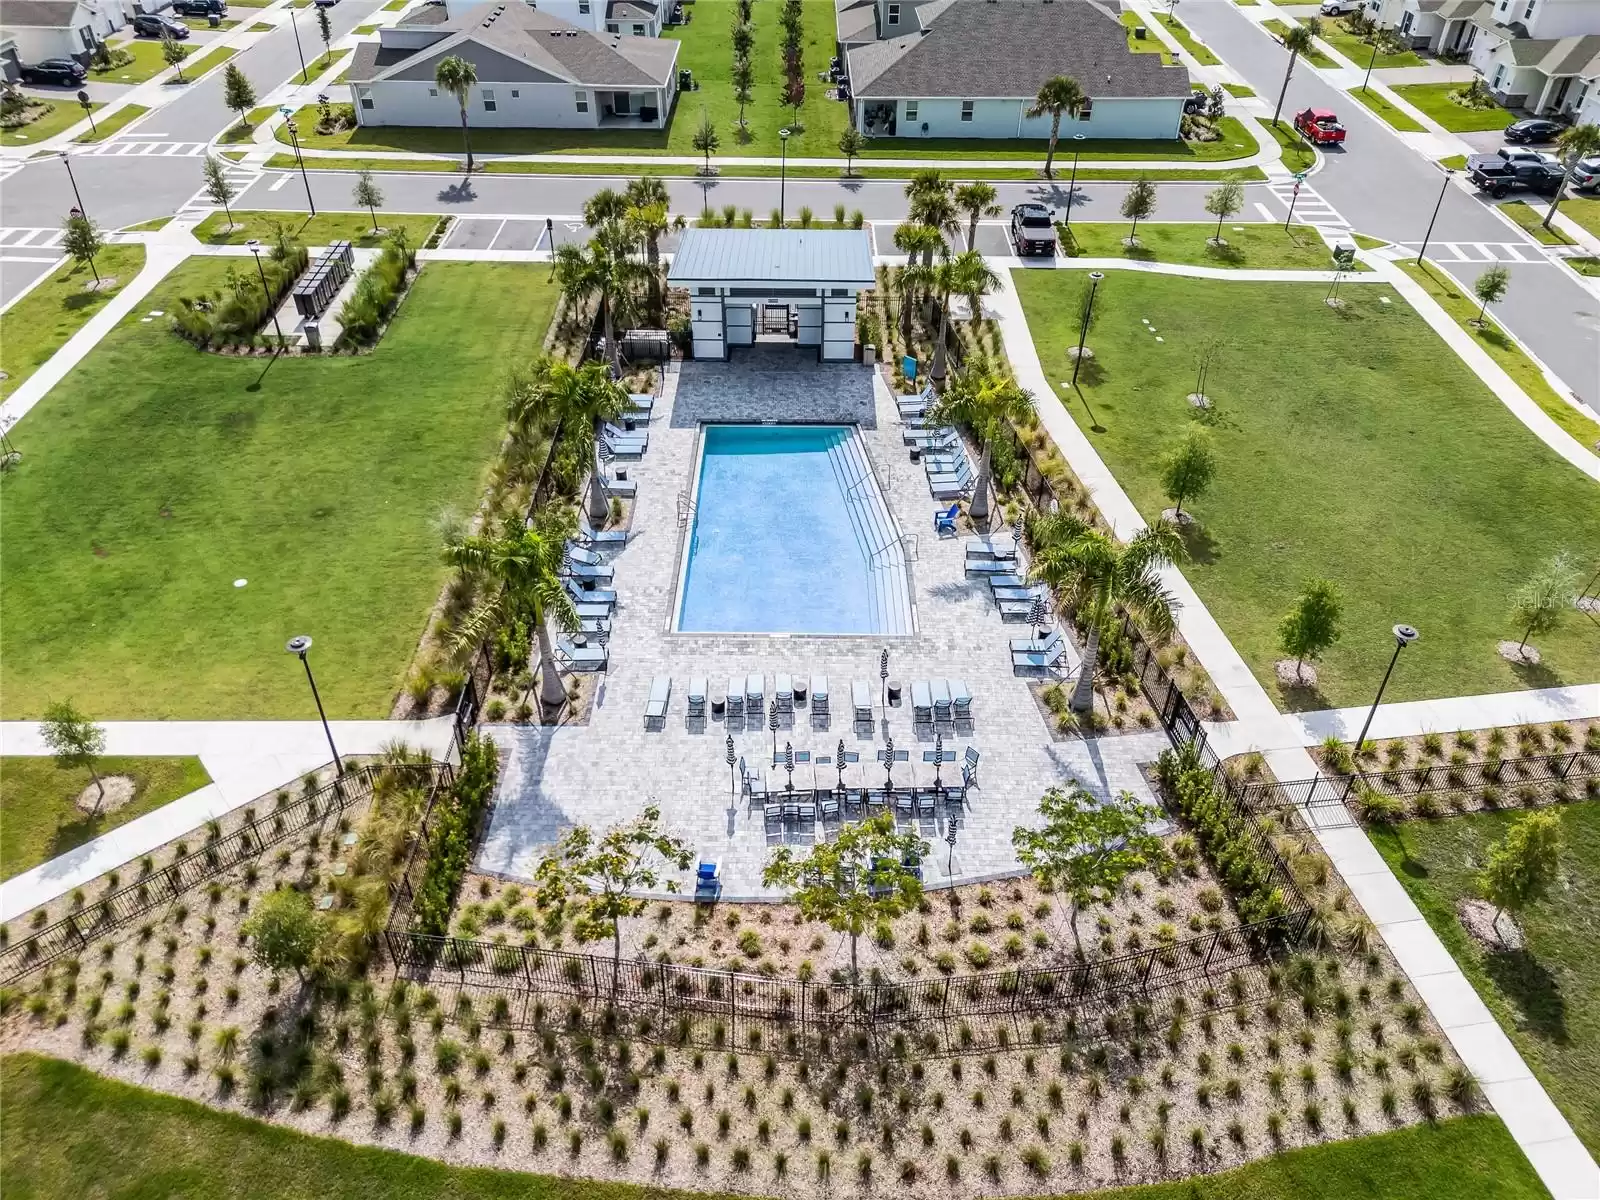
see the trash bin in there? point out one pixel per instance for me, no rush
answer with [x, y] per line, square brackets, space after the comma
[213, 20]
[313, 332]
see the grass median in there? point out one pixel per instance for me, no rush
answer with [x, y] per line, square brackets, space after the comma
[1257, 246]
[58, 116]
[1394, 117]
[320, 230]
[105, 127]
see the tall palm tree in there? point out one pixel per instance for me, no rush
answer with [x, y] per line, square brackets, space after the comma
[605, 268]
[1057, 96]
[1096, 574]
[548, 396]
[967, 274]
[526, 561]
[1299, 40]
[914, 279]
[606, 207]
[986, 403]
[1576, 143]
[646, 216]
[932, 204]
[456, 76]
[977, 200]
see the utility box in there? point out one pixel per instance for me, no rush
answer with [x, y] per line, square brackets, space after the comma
[313, 332]
[323, 279]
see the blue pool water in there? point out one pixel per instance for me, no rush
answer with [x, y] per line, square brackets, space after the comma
[774, 548]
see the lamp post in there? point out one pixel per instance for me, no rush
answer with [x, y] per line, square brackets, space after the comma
[783, 175]
[73, 179]
[550, 232]
[294, 136]
[1083, 331]
[255, 248]
[304, 76]
[1370, 64]
[1072, 187]
[301, 645]
[1438, 204]
[1404, 635]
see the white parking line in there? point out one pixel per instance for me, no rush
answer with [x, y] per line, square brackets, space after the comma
[278, 183]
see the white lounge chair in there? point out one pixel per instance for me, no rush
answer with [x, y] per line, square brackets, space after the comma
[941, 699]
[991, 547]
[623, 488]
[736, 698]
[1038, 659]
[581, 658]
[1035, 645]
[861, 701]
[921, 701]
[819, 696]
[960, 700]
[783, 692]
[697, 698]
[597, 595]
[655, 707]
[601, 574]
[755, 694]
[580, 554]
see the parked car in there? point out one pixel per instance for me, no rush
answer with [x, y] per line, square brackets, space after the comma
[158, 26]
[1498, 174]
[199, 8]
[326, 3]
[1033, 230]
[63, 71]
[1586, 175]
[1337, 8]
[1533, 129]
[1319, 126]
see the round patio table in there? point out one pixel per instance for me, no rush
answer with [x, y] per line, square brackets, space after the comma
[719, 704]
[894, 692]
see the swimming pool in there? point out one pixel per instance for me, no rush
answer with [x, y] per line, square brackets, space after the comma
[791, 535]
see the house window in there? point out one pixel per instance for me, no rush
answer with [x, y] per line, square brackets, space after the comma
[366, 98]
[433, 91]
[894, 14]
[1405, 23]
[638, 31]
[583, 7]
[911, 110]
[1087, 111]
[707, 291]
[966, 110]
[582, 100]
[87, 36]
[611, 27]
[488, 100]
[515, 93]
[1528, 12]
[1499, 76]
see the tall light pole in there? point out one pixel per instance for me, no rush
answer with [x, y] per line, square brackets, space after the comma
[1072, 188]
[255, 248]
[1404, 635]
[1083, 330]
[1372, 62]
[1448, 172]
[304, 77]
[294, 136]
[783, 176]
[301, 645]
[67, 162]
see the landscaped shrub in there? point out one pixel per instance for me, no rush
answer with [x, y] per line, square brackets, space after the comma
[235, 314]
[455, 820]
[377, 292]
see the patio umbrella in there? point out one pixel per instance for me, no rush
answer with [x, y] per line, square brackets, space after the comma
[772, 724]
[841, 763]
[888, 758]
[788, 764]
[1017, 530]
[883, 674]
[1036, 611]
[938, 757]
[733, 785]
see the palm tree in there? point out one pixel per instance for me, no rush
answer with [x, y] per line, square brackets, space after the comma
[918, 241]
[1299, 40]
[967, 274]
[986, 403]
[1057, 95]
[456, 75]
[1576, 143]
[606, 207]
[977, 200]
[526, 561]
[1097, 574]
[554, 398]
[646, 216]
[932, 204]
[605, 268]
[914, 278]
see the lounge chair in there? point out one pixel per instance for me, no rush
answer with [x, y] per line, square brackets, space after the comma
[991, 547]
[579, 554]
[641, 403]
[921, 701]
[601, 574]
[969, 768]
[581, 658]
[623, 488]
[1000, 580]
[819, 697]
[944, 519]
[592, 612]
[1022, 595]
[941, 699]
[861, 702]
[916, 402]
[616, 434]
[697, 698]
[593, 595]
[783, 692]
[960, 700]
[943, 487]
[990, 566]
[605, 539]
[707, 882]
[944, 464]
[736, 698]
[1038, 659]
[655, 706]
[935, 439]
[755, 694]
[1035, 645]
[594, 625]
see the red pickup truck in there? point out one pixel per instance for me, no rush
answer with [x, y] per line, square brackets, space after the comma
[1319, 126]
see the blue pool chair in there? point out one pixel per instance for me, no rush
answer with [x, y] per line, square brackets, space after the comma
[944, 519]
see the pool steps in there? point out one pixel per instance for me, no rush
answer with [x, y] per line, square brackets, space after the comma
[889, 583]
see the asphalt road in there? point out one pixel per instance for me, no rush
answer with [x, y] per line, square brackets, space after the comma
[1385, 189]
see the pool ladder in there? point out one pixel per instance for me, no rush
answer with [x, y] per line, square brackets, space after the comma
[685, 509]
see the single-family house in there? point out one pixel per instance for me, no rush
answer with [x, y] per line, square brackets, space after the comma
[971, 69]
[535, 70]
[640, 18]
[1446, 27]
[38, 29]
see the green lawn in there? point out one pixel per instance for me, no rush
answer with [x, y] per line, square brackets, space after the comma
[1368, 243]
[1353, 452]
[361, 31]
[1149, 44]
[1585, 210]
[41, 322]
[1253, 245]
[1464, 308]
[103, 129]
[1585, 266]
[1239, 91]
[1391, 114]
[1455, 162]
[1298, 154]
[1532, 220]
[261, 27]
[320, 230]
[155, 476]
[1360, 52]
[1434, 99]
[1547, 996]
[39, 817]
[73, 1133]
[1201, 52]
[1280, 30]
[245, 130]
[202, 23]
[60, 116]
[147, 62]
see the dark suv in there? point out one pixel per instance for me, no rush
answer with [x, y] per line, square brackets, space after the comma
[1499, 174]
[1533, 129]
[199, 8]
[155, 25]
[1033, 230]
[63, 71]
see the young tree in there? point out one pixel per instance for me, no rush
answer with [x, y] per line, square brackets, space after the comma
[325, 28]
[75, 741]
[1222, 202]
[851, 143]
[1523, 865]
[1576, 143]
[976, 200]
[457, 76]
[367, 193]
[284, 931]
[857, 879]
[1138, 204]
[82, 241]
[1057, 96]
[606, 268]
[1312, 625]
[601, 875]
[218, 186]
[1490, 288]
[173, 52]
[1539, 604]
[744, 77]
[1188, 467]
[1087, 847]
[967, 274]
[1300, 39]
[706, 138]
[238, 93]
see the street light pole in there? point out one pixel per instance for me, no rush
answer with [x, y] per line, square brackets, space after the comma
[1448, 172]
[1083, 330]
[1072, 187]
[301, 645]
[783, 176]
[1370, 64]
[1404, 635]
[294, 136]
[293, 24]
[255, 248]
[67, 162]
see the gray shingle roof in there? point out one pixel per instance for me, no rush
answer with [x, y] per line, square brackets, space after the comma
[978, 49]
[855, 21]
[428, 14]
[819, 256]
[32, 14]
[371, 58]
[630, 10]
[513, 43]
